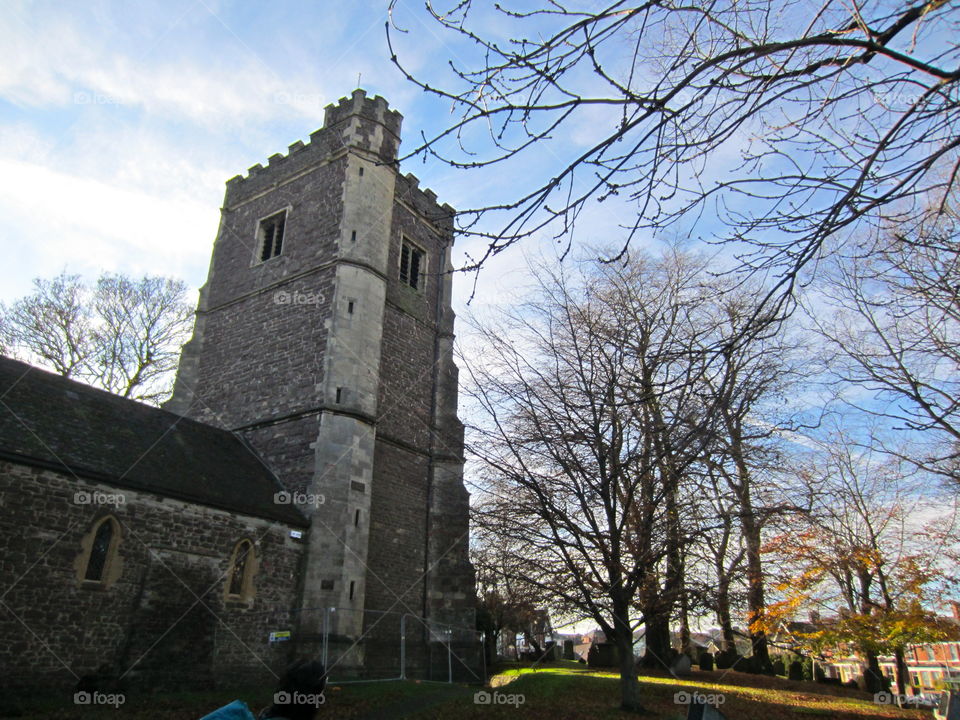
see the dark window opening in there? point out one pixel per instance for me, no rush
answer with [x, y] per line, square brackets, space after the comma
[351, 589]
[411, 263]
[339, 394]
[356, 518]
[239, 569]
[99, 552]
[271, 235]
[350, 307]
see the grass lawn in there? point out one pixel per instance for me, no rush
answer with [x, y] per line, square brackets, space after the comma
[560, 691]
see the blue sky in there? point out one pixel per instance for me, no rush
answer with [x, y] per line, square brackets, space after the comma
[120, 122]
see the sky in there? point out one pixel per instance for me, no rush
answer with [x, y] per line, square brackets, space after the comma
[121, 122]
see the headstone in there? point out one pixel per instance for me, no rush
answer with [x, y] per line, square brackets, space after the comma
[702, 711]
[706, 661]
[727, 659]
[796, 670]
[602, 655]
[568, 650]
[680, 667]
[949, 707]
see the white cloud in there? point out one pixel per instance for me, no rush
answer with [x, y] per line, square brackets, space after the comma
[87, 226]
[51, 63]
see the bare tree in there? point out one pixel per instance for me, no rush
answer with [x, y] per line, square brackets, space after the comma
[754, 413]
[770, 125]
[889, 310]
[53, 324]
[141, 326]
[123, 336]
[505, 603]
[592, 410]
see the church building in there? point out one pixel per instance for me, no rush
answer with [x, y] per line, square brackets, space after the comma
[301, 493]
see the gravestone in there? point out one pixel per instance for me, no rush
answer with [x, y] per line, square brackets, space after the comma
[602, 655]
[949, 707]
[680, 667]
[706, 661]
[568, 650]
[702, 711]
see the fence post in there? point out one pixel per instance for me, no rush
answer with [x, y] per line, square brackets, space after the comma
[403, 647]
[449, 654]
[326, 635]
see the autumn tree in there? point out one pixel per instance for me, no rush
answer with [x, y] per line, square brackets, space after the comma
[871, 553]
[770, 126]
[122, 335]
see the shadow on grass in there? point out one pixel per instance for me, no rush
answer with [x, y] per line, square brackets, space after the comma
[558, 691]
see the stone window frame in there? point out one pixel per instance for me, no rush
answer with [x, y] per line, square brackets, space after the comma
[251, 563]
[420, 287]
[258, 245]
[112, 565]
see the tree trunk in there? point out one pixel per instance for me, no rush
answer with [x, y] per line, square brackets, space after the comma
[902, 671]
[629, 687]
[872, 678]
[755, 595]
[657, 639]
[685, 646]
[756, 603]
[723, 617]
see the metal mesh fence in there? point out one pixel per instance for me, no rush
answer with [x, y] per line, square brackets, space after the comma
[354, 646]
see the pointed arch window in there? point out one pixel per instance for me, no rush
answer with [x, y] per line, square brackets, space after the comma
[99, 562]
[240, 572]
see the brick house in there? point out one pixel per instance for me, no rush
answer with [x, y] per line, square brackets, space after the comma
[928, 664]
[304, 478]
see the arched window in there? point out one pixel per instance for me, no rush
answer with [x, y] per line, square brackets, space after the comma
[99, 563]
[240, 572]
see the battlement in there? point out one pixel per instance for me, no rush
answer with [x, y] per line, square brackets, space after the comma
[356, 121]
[424, 201]
[358, 104]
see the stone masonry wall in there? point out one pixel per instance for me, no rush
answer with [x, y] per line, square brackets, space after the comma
[418, 506]
[165, 619]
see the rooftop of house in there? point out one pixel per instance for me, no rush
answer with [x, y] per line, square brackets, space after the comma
[49, 421]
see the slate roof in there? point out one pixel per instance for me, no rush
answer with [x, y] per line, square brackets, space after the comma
[49, 421]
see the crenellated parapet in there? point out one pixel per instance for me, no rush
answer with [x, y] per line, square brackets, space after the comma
[356, 122]
[424, 202]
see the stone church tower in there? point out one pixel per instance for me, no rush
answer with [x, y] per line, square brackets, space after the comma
[324, 338]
